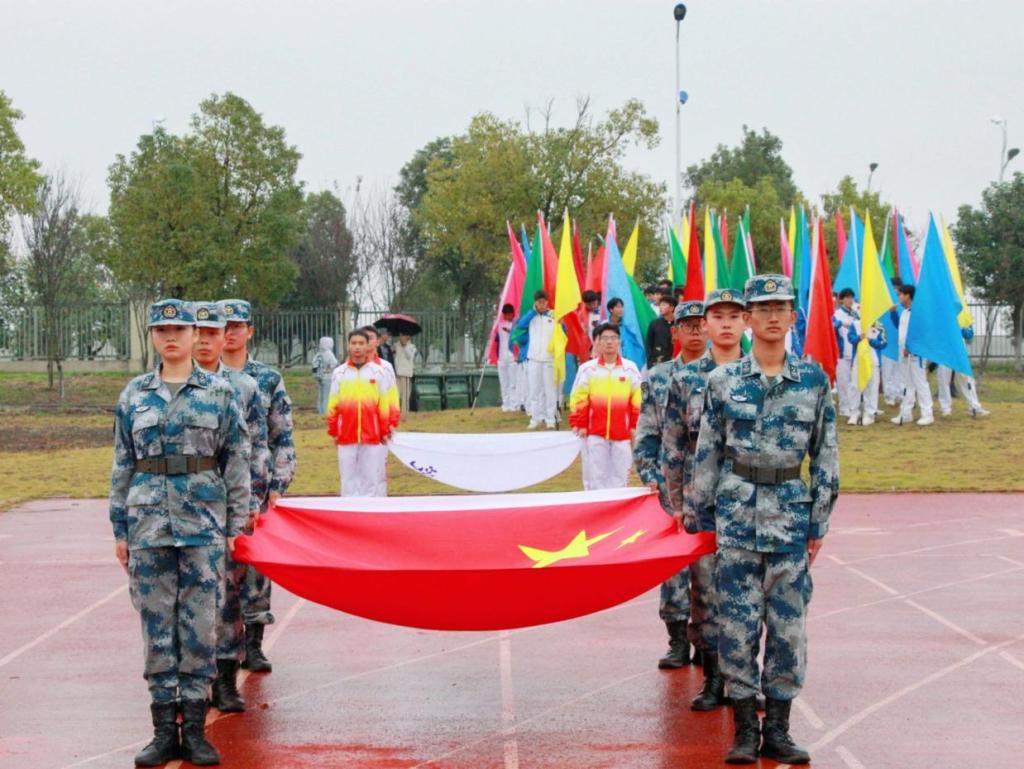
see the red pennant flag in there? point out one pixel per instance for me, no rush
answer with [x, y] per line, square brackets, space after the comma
[483, 562]
[820, 341]
[577, 254]
[595, 275]
[550, 259]
[694, 273]
[840, 237]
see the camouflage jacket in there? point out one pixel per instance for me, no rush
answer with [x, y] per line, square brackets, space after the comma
[766, 424]
[648, 449]
[256, 423]
[279, 424]
[682, 425]
[203, 419]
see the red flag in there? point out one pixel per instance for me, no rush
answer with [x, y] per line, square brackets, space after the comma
[694, 274]
[840, 237]
[595, 274]
[512, 293]
[477, 562]
[820, 341]
[550, 259]
[577, 254]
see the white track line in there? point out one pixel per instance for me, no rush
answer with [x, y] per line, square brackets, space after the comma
[928, 549]
[947, 622]
[849, 759]
[508, 701]
[538, 716]
[1012, 660]
[57, 628]
[1012, 532]
[808, 713]
[859, 716]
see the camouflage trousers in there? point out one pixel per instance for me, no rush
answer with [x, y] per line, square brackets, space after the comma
[675, 598]
[256, 598]
[230, 630]
[177, 592]
[772, 589]
[703, 628]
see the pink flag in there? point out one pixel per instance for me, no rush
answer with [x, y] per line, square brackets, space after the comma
[787, 254]
[512, 293]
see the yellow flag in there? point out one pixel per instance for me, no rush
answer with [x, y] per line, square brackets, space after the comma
[629, 253]
[964, 318]
[567, 297]
[710, 278]
[875, 301]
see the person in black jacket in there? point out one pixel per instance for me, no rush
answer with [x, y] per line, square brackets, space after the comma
[659, 334]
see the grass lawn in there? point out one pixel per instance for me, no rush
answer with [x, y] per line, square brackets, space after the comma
[51, 451]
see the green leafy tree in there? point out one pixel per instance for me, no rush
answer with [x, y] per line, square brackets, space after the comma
[499, 171]
[865, 203]
[19, 174]
[757, 156]
[990, 247]
[324, 255]
[732, 198]
[217, 211]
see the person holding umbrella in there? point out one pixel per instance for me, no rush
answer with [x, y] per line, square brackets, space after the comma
[405, 364]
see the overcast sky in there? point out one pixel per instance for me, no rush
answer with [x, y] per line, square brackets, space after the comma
[909, 84]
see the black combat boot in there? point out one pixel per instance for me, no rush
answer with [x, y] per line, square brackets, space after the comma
[225, 689]
[194, 746]
[678, 647]
[165, 746]
[254, 659]
[697, 658]
[777, 743]
[713, 694]
[747, 732]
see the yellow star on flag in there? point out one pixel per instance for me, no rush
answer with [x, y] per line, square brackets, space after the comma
[578, 548]
[632, 538]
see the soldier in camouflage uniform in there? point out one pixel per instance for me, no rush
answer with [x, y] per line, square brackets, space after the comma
[649, 457]
[256, 587]
[762, 416]
[179, 496]
[231, 633]
[723, 323]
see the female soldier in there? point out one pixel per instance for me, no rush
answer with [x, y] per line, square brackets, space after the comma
[179, 496]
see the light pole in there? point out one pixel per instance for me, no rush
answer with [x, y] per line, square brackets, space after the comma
[1005, 155]
[678, 13]
[871, 172]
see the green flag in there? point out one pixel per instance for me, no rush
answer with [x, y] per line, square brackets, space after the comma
[534, 280]
[887, 264]
[742, 264]
[676, 261]
[721, 264]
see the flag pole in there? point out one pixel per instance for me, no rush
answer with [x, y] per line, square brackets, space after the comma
[476, 392]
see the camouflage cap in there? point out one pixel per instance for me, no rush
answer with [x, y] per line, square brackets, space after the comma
[208, 314]
[171, 312]
[236, 310]
[723, 296]
[769, 288]
[689, 309]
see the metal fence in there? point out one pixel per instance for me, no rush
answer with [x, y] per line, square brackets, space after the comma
[93, 332]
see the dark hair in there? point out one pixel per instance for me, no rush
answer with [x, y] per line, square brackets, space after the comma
[591, 296]
[600, 328]
[367, 330]
[668, 299]
[507, 308]
[652, 289]
[358, 332]
[613, 302]
[540, 294]
[665, 283]
[680, 290]
[907, 289]
[845, 293]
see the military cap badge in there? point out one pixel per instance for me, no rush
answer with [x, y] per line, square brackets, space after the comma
[170, 311]
[229, 310]
[203, 314]
[726, 296]
[770, 286]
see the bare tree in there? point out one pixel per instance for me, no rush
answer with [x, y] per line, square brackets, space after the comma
[55, 246]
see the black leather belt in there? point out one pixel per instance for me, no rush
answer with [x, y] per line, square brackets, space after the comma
[175, 465]
[765, 475]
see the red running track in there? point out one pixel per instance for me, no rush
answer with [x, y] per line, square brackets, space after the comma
[916, 661]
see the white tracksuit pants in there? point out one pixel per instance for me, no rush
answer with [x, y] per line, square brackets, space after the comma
[892, 386]
[915, 388]
[522, 385]
[867, 401]
[507, 381]
[846, 385]
[361, 466]
[543, 397]
[965, 384]
[606, 463]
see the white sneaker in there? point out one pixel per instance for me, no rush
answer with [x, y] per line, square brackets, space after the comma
[980, 412]
[533, 425]
[947, 413]
[925, 421]
[551, 425]
[897, 420]
[852, 420]
[890, 402]
[868, 420]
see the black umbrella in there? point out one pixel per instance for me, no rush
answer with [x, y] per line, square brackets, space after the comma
[397, 324]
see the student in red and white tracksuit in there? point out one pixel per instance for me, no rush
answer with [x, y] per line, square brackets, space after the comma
[361, 413]
[603, 410]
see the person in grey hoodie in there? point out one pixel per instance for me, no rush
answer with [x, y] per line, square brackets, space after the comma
[324, 364]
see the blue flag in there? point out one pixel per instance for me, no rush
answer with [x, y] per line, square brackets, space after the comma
[903, 250]
[618, 286]
[934, 332]
[848, 274]
[804, 289]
